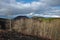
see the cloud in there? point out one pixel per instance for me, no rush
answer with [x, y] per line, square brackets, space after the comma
[52, 2]
[21, 7]
[14, 8]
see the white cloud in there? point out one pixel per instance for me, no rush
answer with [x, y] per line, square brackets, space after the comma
[53, 11]
[40, 7]
[52, 2]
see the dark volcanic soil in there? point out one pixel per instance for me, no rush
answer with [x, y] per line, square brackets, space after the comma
[12, 35]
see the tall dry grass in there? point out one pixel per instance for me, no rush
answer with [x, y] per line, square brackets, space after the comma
[50, 29]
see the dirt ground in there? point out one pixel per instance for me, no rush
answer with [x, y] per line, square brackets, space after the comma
[12, 35]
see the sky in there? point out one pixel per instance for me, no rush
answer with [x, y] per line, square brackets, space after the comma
[44, 8]
[26, 1]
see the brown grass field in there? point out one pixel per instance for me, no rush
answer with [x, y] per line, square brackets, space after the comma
[31, 28]
[40, 27]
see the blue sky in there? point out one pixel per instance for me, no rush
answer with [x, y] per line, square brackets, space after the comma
[44, 8]
[26, 1]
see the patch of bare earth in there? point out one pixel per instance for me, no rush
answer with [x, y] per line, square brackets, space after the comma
[12, 35]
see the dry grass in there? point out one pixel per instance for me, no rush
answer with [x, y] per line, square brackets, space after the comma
[38, 27]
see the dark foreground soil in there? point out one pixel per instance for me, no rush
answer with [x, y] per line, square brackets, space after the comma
[12, 35]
